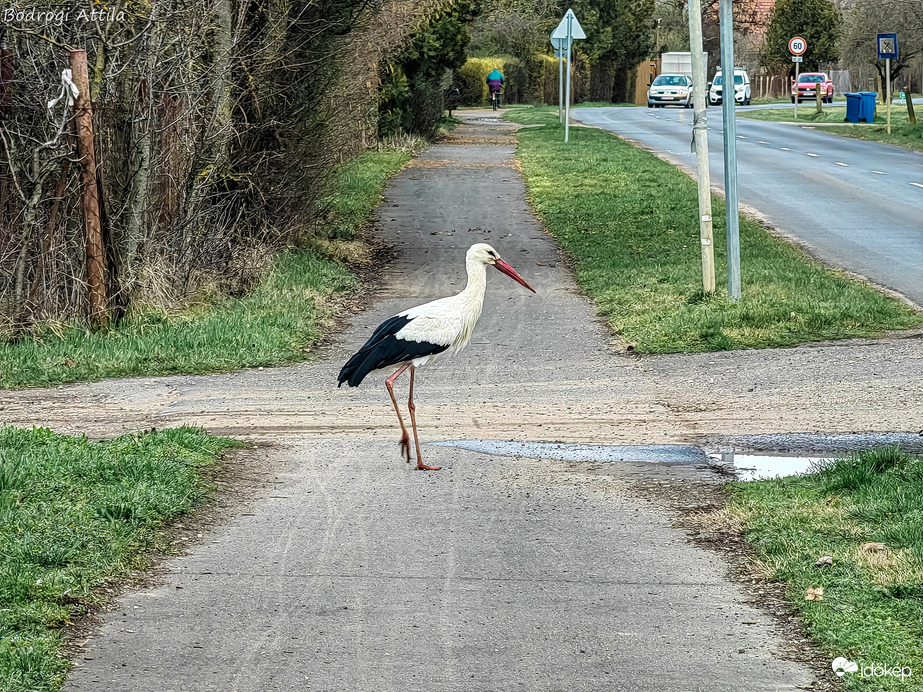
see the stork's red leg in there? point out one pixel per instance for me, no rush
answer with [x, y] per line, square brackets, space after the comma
[413, 422]
[405, 438]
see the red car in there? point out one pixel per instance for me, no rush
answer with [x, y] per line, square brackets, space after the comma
[808, 85]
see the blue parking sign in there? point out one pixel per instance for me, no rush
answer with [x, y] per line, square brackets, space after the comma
[887, 46]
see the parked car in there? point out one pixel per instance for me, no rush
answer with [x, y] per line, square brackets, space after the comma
[670, 90]
[809, 83]
[741, 88]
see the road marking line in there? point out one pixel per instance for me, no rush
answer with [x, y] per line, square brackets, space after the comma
[759, 141]
[808, 153]
[840, 163]
[878, 172]
[740, 137]
[917, 184]
[784, 148]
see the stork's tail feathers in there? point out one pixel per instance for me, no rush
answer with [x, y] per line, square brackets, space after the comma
[368, 358]
[355, 370]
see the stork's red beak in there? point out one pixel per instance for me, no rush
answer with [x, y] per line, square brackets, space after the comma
[512, 273]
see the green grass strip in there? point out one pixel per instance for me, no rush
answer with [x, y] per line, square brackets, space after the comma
[872, 606]
[274, 324]
[630, 223]
[75, 514]
[903, 132]
[356, 191]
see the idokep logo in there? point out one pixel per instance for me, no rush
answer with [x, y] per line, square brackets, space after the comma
[841, 666]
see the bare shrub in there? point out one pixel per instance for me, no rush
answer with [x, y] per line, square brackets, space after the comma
[217, 122]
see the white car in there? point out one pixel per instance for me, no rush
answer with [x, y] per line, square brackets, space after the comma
[741, 88]
[670, 90]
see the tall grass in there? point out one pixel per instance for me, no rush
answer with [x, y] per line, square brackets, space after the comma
[276, 323]
[630, 222]
[75, 514]
[872, 606]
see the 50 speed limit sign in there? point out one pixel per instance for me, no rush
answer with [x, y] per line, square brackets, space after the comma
[797, 46]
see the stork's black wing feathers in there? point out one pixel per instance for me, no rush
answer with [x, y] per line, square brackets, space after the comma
[384, 349]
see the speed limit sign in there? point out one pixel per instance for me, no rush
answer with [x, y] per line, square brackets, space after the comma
[797, 46]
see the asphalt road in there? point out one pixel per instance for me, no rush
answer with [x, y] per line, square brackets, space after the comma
[354, 573]
[858, 205]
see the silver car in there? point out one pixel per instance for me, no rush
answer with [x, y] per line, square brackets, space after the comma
[670, 90]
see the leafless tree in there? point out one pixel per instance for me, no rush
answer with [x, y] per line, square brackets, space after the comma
[863, 19]
[217, 125]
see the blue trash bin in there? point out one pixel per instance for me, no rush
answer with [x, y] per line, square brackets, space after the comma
[853, 107]
[867, 106]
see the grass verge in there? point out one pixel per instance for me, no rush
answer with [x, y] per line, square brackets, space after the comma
[903, 132]
[787, 99]
[75, 515]
[630, 223]
[603, 104]
[871, 609]
[274, 324]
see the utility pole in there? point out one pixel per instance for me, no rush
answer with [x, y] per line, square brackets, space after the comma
[89, 199]
[700, 145]
[726, 19]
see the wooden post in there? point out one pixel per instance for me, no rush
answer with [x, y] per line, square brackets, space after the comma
[6, 98]
[89, 199]
[6, 80]
[910, 113]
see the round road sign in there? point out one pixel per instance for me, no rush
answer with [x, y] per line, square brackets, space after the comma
[797, 46]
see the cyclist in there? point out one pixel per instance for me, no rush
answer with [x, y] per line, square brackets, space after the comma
[495, 83]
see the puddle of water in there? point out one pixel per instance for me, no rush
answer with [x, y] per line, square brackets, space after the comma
[747, 467]
[751, 467]
[676, 454]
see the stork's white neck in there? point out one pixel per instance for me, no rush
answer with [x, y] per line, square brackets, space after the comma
[477, 282]
[471, 301]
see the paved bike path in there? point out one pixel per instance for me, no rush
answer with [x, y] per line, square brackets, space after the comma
[356, 573]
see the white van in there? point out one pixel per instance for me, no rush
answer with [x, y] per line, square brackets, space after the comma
[741, 88]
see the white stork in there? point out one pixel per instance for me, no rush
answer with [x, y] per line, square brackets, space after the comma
[417, 336]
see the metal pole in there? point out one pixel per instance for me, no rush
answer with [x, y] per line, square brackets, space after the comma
[561, 85]
[570, 34]
[700, 144]
[726, 18]
[797, 71]
[888, 90]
